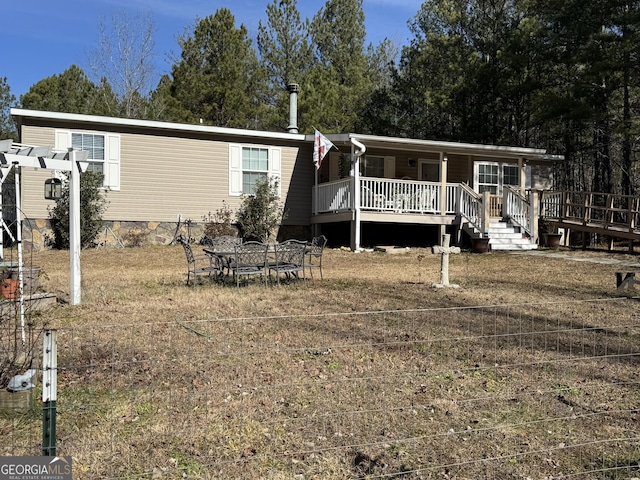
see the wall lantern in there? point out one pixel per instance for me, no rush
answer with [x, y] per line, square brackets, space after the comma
[53, 189]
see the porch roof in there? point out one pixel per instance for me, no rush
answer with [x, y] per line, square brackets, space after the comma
[434, 146]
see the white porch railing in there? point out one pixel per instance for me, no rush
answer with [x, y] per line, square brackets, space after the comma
[518, 209]
[333, 196]
[402, 196]
[385, 195]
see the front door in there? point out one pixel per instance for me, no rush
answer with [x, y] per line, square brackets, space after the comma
[429, 171]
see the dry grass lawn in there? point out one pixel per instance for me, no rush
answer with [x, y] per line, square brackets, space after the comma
[528, 370]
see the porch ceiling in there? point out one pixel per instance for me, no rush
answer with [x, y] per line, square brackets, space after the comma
[416, 145]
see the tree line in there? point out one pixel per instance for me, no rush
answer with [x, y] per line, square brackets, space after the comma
[561, 75]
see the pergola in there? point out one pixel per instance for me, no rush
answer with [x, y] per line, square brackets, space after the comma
[15, 155]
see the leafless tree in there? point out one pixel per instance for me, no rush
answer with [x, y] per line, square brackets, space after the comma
[123, 57]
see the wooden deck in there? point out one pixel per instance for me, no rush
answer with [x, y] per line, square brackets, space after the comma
[605, 214]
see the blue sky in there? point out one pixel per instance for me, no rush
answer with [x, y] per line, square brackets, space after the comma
[45, 37]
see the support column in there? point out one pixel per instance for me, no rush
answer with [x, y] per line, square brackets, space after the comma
[356, 230]
[74, 229]
[522, 168]
[535, 214]
[444, 160]
[16, 171]
[486, 212]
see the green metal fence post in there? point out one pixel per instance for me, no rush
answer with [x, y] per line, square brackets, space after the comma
[49, 391]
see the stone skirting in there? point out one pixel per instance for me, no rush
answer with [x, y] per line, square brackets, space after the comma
[37, 234]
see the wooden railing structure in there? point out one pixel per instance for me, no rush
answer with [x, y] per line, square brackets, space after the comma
[614, 216]
[607, 214]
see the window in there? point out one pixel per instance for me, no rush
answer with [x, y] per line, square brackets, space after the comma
[248, 163]
[94, 144]
[103, 152]
[255, 166]
[492, 177]
[488, 178]
[429, 171]
[372, 166]
[510, 175]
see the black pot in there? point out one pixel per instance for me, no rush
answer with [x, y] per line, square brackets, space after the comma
[552, 240]
[479, 245]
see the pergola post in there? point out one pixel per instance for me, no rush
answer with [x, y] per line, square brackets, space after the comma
[74, 229]
[16, 173]
[73, 161]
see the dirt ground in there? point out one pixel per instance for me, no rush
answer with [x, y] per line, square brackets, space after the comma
[527, 370]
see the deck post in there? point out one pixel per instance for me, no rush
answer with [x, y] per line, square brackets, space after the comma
[486, 211]
[522, 168]
[444, 162]
[534, 211]
[443, 182]
[355, 185]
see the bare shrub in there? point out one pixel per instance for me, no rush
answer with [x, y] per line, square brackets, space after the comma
[135, 238]
[219, 224]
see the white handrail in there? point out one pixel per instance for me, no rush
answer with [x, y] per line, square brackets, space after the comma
[470, 207]
[517, 209]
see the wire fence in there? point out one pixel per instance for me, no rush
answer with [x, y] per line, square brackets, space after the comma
[508, 391]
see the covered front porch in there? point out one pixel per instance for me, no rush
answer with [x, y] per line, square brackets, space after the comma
[448, 186]
[453, 205]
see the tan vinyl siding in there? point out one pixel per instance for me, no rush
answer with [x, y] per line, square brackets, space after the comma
[32, 181]
[162, 176]
[458, 169]
[297, 182]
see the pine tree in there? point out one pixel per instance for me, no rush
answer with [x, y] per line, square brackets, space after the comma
[338, 84]
[7, 99]
[285, 54]
[70, 92]
[217, 78]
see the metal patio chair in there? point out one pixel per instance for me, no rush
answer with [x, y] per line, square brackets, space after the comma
[289, 260]
[313, 255]
[249, 258]
[198, 265]
[223, 247]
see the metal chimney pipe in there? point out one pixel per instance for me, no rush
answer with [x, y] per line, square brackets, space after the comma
[293, 89]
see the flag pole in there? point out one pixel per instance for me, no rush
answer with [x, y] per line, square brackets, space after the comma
[315, 195]
[321, 146]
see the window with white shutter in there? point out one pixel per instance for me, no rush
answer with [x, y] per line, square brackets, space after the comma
[104, 152]
[249, 163]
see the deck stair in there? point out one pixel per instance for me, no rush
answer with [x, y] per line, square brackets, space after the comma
[503, 235]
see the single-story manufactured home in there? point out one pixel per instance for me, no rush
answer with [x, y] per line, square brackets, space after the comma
[369, 190]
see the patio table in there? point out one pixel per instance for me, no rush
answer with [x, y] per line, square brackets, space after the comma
[225, 257]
